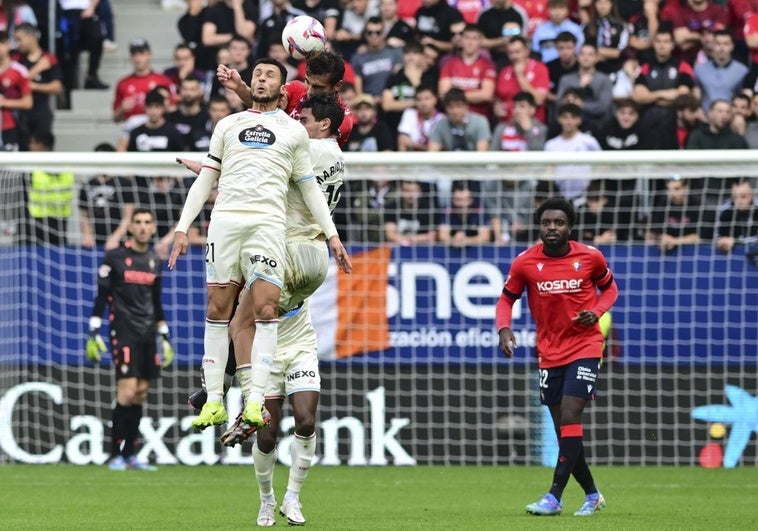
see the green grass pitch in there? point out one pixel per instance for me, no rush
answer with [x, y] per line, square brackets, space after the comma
[392, 498]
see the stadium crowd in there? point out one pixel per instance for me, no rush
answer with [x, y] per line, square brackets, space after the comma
[430, 75]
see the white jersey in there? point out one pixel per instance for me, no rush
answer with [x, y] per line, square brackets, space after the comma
[296, 332]
[259, 154]
[329, 168]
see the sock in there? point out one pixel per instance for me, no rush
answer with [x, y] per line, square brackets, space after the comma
[216, 343]
[133, 417]
[264, 471]
[583, 475]
[568, 452]
[230, 369]
[245, 379]
[118, 427]
[262, 357]
[303, 449]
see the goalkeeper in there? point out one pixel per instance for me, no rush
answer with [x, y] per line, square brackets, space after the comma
[129, 281]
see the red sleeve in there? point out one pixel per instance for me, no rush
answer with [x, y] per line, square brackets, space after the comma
[345, 128]
[490, 72]
[503, 310]
[603, 279]
[541, 77]
[445, 72]
[118, 97]
[349, 76]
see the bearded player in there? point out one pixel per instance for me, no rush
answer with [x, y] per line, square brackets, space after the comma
[569, 287]
[323, 75]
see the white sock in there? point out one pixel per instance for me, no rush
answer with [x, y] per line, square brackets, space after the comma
[244, 377]
[264, 471]
[216, 343]
[262, 357]
[302, 449]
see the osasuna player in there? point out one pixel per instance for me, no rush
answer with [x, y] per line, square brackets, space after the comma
[129, 281]
[569, 287]
[255, 155]
[323, 75]
[295, 372]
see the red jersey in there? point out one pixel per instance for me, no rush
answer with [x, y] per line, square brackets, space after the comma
[14, 84]
[751, 28]
[536, 11]
[135, 88]
[297, 92]
[507, 86]
[468, 77]
[557, 290]
[348, 77]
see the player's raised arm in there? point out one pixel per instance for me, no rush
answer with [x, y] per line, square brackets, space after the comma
[231, 80]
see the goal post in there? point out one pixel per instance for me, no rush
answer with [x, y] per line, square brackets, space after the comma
[411, 372]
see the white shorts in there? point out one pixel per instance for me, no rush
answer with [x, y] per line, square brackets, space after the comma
[294, 371]
[243, 246]
[305, 268]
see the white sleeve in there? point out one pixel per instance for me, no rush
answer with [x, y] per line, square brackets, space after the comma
[197, 194]
[314, 198]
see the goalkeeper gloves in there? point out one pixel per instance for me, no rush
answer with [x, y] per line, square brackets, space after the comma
[168, 350]
[95, 346]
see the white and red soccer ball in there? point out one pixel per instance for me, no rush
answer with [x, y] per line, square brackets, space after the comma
[304, 37]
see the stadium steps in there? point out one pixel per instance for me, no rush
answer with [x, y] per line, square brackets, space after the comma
[89, 123]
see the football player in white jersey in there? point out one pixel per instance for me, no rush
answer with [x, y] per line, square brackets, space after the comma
[295, 371]
[255, 155]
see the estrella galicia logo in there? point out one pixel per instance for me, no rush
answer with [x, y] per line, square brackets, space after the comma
[257, 137]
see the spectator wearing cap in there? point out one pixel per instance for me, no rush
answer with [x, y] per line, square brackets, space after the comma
[15, 95]
[45, 77]
[79, 31]
[129, 100]
[499, 23]
[369, 132]
[721, 77]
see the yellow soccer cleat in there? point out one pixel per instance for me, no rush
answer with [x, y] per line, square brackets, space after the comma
[212, 414]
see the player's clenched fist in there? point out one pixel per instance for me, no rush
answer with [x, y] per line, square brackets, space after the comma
[179, 249]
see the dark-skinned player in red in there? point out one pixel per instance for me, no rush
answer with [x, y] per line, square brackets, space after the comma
[569, 287]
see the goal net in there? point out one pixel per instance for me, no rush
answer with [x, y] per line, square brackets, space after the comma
[411, 371]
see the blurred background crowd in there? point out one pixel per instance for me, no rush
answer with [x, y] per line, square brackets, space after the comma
[421, 75]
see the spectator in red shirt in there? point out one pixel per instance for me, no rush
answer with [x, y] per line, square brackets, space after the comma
[692, 21]
[524, 74]
[471, 72]
[15, 95]
[129, 100]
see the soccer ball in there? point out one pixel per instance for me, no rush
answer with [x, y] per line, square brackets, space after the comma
[304, 37]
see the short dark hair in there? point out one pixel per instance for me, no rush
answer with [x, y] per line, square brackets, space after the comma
[219, 99]
[569, 108]
[566, 36]
[27, 28]
[742, 96]
[686, 101]
[526, 97]
[573, 91]
[427, 88]
[556, 203]
[105, 147]
[141, 210]
[627, 103]
[413, 46]
[327, 64]
[273, 62]
[192, 77]
[155, 97]
[454, 95]
[518, 38]
[3, 36]
[325, 106]
[46, 138]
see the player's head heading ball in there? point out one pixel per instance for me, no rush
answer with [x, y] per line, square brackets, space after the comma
[328, 69]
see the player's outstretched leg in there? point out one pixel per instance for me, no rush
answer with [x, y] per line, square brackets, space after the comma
[546, 506]
[592, 503]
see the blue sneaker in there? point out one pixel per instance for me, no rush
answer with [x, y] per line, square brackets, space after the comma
[547, 506]
[133, 464]
[117, 463]
[592, 502]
